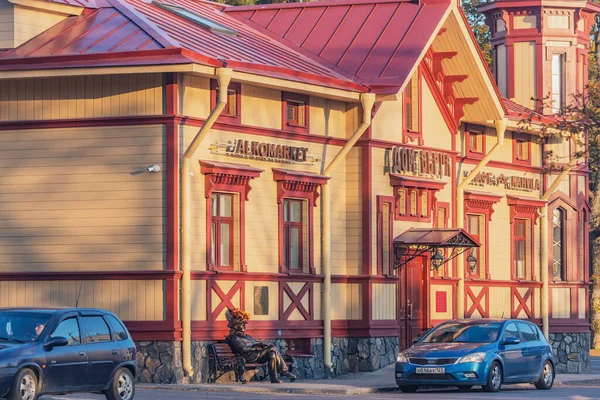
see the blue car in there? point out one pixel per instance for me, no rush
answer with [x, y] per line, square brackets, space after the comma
[58, 351]
[467, 353]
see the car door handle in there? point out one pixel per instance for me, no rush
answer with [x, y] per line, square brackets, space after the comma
[82, 353]
[115, 351]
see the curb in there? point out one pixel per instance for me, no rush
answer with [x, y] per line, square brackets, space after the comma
[275, 389]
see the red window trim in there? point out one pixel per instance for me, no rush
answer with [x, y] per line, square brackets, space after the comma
[481, 204]
[584, 212]
[422, 186]
[298, 225]
[290, 126]
[471, 152]
[525, 209]
[229, 221]
[226, 118]
[381, 200]
[232, 178]
[446, 206]
[521, 138]
[298, 185]
[560, 200]
[412, 135]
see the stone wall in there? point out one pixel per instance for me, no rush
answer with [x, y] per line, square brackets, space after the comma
[571, 352]
[161, 362]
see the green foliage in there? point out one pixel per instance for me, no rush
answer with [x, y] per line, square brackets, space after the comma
[480, 29]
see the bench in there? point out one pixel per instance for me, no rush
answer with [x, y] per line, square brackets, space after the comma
[221, 359]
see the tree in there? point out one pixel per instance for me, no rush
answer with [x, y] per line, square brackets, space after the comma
[480, 29]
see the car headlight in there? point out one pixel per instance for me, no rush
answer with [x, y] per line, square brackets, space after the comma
[473, 357]
[402, 358]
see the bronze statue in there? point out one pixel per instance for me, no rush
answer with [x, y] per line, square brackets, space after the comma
[254, 351]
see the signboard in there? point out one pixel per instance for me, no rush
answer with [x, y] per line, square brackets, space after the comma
[405, 160]
[510, 182]
[264, 151]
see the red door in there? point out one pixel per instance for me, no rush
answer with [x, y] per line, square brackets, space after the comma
[412, 301]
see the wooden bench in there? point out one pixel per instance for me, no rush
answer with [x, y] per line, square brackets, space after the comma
[221, 359]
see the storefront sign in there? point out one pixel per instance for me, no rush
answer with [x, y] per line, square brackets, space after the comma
[509, 182]
[419, 162]
[264, 151]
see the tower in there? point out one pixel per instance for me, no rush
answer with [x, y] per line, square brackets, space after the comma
[540, 48]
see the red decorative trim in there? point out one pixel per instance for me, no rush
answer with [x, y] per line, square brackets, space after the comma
[525, 208]
[459, 107]
[172, 195]
[413, 135]
[422, 187]
[227, 177]
[480, 203]
[520, 303]
[293, 126]
[436, 85]
[254, 276]
[226, 299]
[442, 205]
[361, 328]
[303, 185]
[90, 275]
[570, 267]
[296, 301]
[154, 330]
[218, 330]
[483, 296]
[227, 117]
[521, 138]
[473, 152]
[381, 200]
[367, 225]
[502, 283]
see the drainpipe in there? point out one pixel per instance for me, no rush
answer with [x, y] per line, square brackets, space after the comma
[501, 125]
[544, 246]
[223, 77]
[367, 100]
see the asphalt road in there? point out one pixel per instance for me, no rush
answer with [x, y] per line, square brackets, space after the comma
[558, 392]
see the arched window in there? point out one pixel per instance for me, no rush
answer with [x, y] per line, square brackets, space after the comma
[558, 244]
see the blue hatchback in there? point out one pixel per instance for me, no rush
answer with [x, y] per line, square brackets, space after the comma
[487, 352]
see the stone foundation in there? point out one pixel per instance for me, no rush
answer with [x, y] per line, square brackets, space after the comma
[571, 352]
[161, 362]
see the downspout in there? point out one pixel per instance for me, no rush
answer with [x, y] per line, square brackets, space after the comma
[223, 77]
[544, 246]
[367, 101]
[501, 125]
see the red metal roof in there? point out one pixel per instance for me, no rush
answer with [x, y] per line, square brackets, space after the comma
[374, 42]
[517, 112]
[84, 3]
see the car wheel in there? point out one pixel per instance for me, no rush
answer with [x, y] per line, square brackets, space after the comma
[546, 377]
[408, 388]
[24, 386]
[122, 386]
[494, 380]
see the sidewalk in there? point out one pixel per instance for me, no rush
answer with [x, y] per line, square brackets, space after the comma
[351, 384]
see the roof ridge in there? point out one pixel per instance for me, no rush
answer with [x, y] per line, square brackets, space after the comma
[128, 11]
[322, 3]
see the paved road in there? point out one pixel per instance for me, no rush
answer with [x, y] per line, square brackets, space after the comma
[558, 392]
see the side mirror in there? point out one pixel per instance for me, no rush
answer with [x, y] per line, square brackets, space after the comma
[57, 341]
[512, 340]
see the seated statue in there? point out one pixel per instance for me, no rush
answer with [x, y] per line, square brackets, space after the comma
[254, 351]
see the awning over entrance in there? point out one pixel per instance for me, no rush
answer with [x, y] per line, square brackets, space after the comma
[442, 245]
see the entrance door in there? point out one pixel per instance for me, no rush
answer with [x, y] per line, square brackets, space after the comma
[412, 301]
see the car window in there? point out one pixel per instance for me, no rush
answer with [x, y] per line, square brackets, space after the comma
[117, 327]
[464, 333]
[528, 334]
[22, 326]
[96, 330]
[69, 329]
[511, 331]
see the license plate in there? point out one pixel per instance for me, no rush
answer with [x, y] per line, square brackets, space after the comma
[440, 370]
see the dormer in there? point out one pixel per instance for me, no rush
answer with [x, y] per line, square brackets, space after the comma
[21, 20]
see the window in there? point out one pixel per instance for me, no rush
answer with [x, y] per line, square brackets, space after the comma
[510, 331]
[232, 111]
[295, 112]
[297, 346]
[222, 230]
[119, 331]
[442, 214]
[296, 198]
[558, 82]
[583, 237]
[475, 143]
[96, 330]
[69, 329]
[412, 110]
[558, 241]
[476, 227]
[226, 190]
[385, 220]
[521, 249]
[528, 332]
[415, 198]
[521, 149]
[292, 234]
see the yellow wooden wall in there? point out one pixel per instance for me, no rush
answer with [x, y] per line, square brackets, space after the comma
[29, 22]
[525, 80]
[346, 301]
[131, 300]
[81, 97]
[7, 25]
[383, 303]
[81, 199]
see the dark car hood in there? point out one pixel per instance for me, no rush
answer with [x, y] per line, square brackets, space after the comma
[6, 346]
[446, 349]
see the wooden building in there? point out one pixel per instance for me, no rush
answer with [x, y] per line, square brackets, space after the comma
[170, 159]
